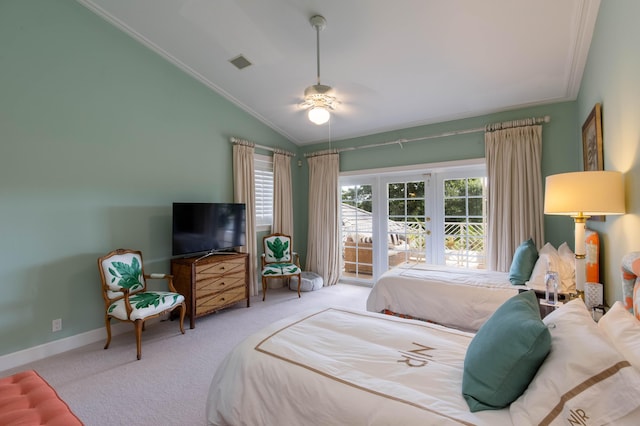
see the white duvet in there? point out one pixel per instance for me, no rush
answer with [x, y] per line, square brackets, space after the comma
[340, 367]
[455, 297]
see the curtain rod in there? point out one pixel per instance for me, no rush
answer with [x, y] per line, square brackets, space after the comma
[238, 141]
[487, 128]
[319, 153]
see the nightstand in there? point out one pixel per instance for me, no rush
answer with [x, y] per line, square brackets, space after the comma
[546, 309]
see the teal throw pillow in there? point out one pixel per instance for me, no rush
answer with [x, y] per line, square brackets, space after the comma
[524, 259]
[505, 354]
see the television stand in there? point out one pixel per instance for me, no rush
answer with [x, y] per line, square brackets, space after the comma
[212, 282]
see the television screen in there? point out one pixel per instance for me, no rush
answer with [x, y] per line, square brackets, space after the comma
[207, 227]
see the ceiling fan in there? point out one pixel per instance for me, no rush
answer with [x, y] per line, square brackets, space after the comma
[319, 99]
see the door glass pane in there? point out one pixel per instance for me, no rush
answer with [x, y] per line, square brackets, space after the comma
[397, 208]
[357, 229]
[416, 207]
[415, 190]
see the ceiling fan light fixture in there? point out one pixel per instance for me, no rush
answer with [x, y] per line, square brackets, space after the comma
[318, 115]
[319, 102]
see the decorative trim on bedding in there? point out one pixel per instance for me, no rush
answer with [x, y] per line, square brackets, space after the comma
[592, 381]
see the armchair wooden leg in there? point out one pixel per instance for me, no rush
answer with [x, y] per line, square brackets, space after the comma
[183, 309]
[138, 325]
[299, 283]
[264, 288]
[107, 322]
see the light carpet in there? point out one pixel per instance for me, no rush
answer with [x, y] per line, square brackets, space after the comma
[169, 385]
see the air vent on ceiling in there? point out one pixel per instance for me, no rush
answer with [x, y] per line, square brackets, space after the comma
[240, 62]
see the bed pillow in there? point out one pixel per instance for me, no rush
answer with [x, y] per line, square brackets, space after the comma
[583, 376]
[505, 354]
[550, 259]
[568, 256]
[524, 259]
[623, 329]
[569, 271]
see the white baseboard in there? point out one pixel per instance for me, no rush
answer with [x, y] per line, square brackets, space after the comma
[56, 347]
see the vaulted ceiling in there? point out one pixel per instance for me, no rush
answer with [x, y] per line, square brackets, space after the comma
[392, 64]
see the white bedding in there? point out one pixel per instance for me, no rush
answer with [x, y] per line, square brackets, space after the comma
[455, 297]
[346, 367]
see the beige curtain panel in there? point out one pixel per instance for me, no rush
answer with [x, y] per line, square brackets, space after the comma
[244, 192]
[282, 195]
[515, 196]
[323, 247]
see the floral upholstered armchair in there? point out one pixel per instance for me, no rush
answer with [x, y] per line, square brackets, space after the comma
[125, 294]
[278, 261]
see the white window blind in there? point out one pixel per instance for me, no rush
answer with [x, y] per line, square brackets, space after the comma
[263, 165]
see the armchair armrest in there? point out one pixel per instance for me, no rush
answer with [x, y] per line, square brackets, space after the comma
[167, 277]
[156, 276]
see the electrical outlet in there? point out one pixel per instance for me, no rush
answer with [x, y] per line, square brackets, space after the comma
[56, 324]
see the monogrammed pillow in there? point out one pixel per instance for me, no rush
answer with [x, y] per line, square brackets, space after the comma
[623, 329]
[583, 381]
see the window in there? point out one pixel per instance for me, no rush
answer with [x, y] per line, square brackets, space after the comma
[263, 165]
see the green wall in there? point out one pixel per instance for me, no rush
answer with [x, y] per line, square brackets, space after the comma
[612, 78]
[99, 135]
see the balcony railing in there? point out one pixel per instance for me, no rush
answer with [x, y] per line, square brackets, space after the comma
[464, 242]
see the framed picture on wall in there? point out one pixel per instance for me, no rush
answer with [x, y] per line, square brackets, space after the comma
[592, 153]
[592, 140]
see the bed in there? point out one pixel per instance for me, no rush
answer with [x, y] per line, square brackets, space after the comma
[454, 297]
[345, 367]
[466, 298]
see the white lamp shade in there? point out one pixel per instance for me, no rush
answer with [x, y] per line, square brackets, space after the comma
[318, 115]
[589, 193]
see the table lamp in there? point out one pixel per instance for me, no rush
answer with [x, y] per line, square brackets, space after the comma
[582, 195]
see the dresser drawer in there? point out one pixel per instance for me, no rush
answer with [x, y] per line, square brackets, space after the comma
[217, 283]
[220, 268]
[215, 301]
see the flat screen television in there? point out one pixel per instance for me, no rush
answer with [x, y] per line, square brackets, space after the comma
[207, 227]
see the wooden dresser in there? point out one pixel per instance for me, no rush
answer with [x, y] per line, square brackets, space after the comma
[212, 283]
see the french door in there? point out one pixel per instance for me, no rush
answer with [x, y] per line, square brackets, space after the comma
[407, 220]
[462, 231]
[411, 219]
[357, 228]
